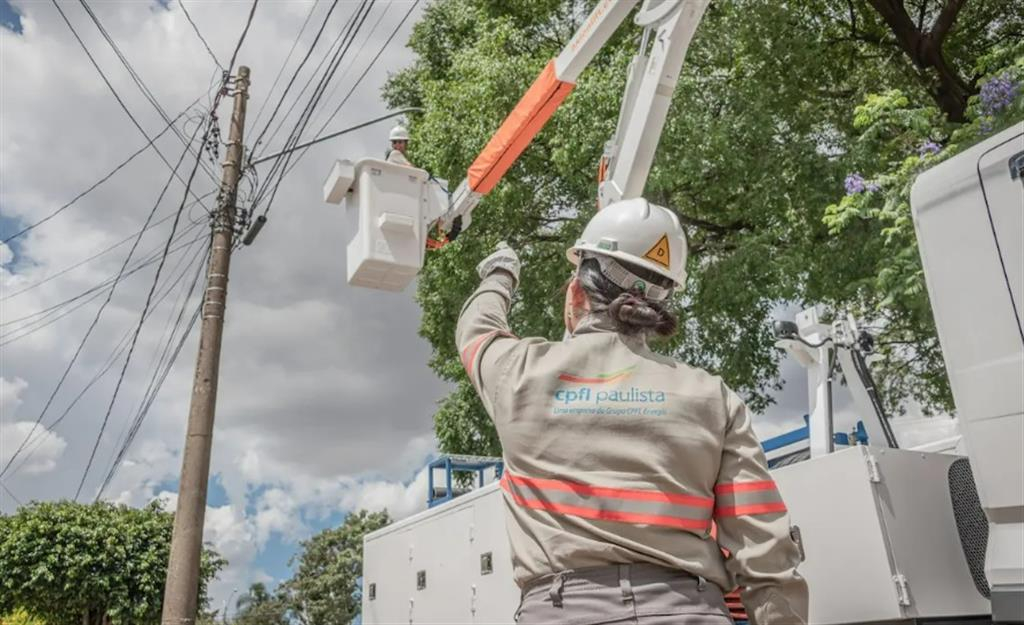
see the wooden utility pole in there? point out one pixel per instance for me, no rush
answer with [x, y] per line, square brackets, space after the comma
[182, 589]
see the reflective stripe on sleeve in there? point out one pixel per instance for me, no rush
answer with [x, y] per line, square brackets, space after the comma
[747, 498]
[473, 349]
[641, 507]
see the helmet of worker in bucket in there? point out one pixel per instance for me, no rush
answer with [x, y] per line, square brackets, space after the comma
[635, 233]
[399, 137]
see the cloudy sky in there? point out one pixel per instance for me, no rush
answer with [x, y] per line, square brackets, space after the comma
[325, 400]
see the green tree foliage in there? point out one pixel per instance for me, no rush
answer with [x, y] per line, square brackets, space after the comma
[72, 564]
[259, 607]
[325, 587]
[20, 617]
[763, 130]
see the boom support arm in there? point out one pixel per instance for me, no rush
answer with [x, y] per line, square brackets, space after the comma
[649, 92]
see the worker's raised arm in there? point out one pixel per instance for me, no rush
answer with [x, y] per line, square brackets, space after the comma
[753, 526]
[483, 334]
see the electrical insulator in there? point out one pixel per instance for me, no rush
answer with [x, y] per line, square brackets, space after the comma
[254, 230]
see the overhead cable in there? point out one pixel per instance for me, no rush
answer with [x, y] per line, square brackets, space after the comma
[295, 75]
[355, 84]
[99, 313]
[111, 359]
[199, 34]
[113, 91]
[145, 309]
[280, 72]
[108, 176]
[137, 79]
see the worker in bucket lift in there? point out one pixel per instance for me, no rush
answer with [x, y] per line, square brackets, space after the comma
[618, 461]
[399, 138]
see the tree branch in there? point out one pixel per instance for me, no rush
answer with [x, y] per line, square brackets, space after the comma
[946, 19]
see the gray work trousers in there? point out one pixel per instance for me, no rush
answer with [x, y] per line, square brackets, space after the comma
[624, 594]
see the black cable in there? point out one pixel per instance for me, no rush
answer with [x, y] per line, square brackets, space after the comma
[97, 316]
[199, 34]
[376, 24]
[137, 79]
[119, 348]
[116, 95]
[103, 179]
[142, 317]
[54, 314]
[141, 417]
[80, 263]
[330, 54]
[861, 367]
[166, 363]
[241, 38]
[307, 113]
[295, 75]
[280, 72]
[358, 80]
[13, 496]
[150, 257]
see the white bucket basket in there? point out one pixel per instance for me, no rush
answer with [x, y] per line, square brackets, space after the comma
[389, 208]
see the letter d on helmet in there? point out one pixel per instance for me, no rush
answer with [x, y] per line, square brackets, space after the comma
[636, 233]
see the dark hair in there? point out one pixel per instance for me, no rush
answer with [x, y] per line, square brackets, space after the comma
[630, 311]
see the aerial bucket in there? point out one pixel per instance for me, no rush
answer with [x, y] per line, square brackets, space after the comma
[388, 209]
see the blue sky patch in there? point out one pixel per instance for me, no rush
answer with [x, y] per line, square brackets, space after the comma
[9, 17]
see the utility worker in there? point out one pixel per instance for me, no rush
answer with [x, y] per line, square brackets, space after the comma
[399, 138]
[617, 459]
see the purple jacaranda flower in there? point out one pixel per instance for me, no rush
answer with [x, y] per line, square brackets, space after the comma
[928, 148]
[854, 183]
[998, 94]
[872, 187]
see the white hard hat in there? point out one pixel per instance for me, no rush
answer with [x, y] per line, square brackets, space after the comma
[637, 233]
[399, 133]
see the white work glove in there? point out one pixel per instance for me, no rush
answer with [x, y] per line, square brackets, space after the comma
[502, 258]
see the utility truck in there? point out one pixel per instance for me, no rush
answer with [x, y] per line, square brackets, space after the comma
[889, 534]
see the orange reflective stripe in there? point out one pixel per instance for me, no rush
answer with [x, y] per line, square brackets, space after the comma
[747, 498]
[470, 353]
[643, 507]
[537, 105]
[755, 508]
[742, 487]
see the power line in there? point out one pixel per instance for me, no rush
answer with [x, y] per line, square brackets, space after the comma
[280, 72]
[145, 309]
[295, 75]
[54, 314]
[99, 312]
[330, 54]
[363, 75]
[199, 34]
[165, 361]
[341, 79]
[13, 496]
[113, 91]
[238, 46]
[287, 152]
[108, 176]
[150, 257]
[80, 263]
[119, 348]
[136, 78]
[307, 112]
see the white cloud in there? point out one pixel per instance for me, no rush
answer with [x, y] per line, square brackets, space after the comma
[47, 446]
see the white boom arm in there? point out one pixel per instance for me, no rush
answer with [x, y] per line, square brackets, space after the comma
[652, 80]
[654, 73]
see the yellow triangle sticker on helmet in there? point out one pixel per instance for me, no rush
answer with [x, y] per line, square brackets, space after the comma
[660, 252]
